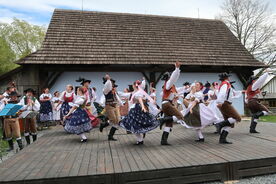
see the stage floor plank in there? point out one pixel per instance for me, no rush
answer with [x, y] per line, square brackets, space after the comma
[59, 157]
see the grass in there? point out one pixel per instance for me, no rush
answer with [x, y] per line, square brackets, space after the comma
[3, 145]
[268, 119]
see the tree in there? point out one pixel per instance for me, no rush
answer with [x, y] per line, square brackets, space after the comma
[22, 37]
[7, 57]
[252, 23]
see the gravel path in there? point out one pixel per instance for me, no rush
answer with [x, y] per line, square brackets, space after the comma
[266, 179]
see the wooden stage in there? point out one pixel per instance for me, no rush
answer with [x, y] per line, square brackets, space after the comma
[58, 157]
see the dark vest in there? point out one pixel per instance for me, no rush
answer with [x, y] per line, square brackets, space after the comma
[110, 98]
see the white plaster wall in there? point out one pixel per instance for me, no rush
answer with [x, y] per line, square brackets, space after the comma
[123, 79]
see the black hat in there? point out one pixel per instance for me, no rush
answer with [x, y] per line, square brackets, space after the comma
[29, 90]
[83, 80]
[14, 93]
[130, 88]
[207, 84]
[223, 76]
[186, 83]
[250, 80]
[232, 82]
[166, 76]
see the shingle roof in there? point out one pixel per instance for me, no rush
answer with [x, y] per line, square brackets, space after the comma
[89, 37]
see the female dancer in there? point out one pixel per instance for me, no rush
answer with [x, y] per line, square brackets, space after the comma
[56, 107]
[212, 97]
[77, 119]
[46, 111]
[67, 98]
[197, 114]
[140, 118]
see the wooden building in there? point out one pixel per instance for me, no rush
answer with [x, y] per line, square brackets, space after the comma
[129, 47]
[268, 96]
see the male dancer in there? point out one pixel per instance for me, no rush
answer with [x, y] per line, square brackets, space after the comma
[224, 103]
[170, 111]
[112, 103]
[256, 108]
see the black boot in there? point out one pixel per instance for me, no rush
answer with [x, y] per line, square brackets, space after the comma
[139, 143]
[217, 128]
[257, 115]
[34, 137]
[200, 140]
[253, 127]
[27, 138]
[111, 134]
[165, 120]
[103, 125]
[20, 145]
[223, 124]
[164, 139]
[222, 138]
[10, 145]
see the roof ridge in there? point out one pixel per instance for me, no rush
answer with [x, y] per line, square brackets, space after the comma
[138, 14]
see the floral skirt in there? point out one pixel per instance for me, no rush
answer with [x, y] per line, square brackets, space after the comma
[64, 109]
[46, 111]
[138, 121]
[78, 122]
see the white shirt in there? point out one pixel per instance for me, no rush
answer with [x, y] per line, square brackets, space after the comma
[173, 79]
[42, 96]
[223, 92]
[79, 101]
[35, 107]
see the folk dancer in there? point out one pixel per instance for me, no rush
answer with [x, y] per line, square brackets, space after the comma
[77, 119]
[66, 100]
[170, 111]
[56, 107]
[46, 110]
[257, 110]
[224, 102]
[141, 118]
[112, 104]
[197, 115]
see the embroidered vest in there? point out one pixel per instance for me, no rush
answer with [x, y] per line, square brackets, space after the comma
[68, 99]
[167, 93]
[251, 94]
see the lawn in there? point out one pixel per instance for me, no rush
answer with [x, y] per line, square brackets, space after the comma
[268, 119]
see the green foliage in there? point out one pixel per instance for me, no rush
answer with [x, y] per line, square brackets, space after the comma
[17, 40]
[23, 38]
[7, 56]
[3, 145]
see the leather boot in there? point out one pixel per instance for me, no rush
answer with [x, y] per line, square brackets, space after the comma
[20, 145]
[164, 139]
[103, 125]
[34, 137]
[111, 134]
[222, 138]
[253, 127]
[10, 145]
[27, 138]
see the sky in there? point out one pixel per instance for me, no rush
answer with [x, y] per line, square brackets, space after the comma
[40, 11]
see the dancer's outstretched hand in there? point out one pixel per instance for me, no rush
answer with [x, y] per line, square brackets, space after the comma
[177, 64]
